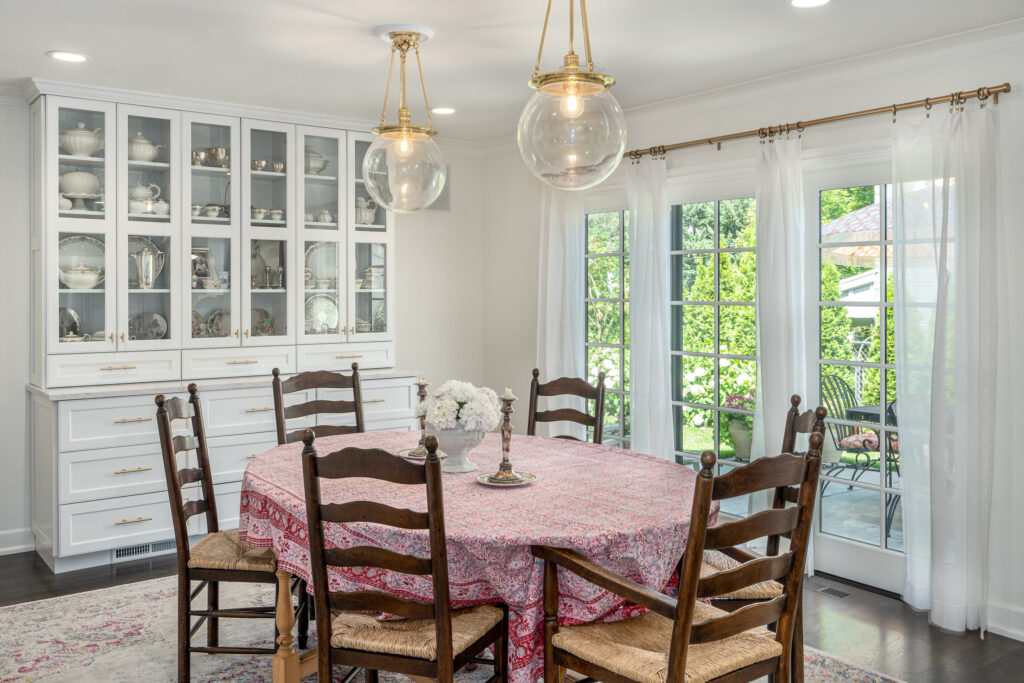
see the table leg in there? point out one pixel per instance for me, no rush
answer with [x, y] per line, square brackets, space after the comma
[287, 664]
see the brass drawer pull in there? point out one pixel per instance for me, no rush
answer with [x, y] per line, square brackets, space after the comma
[242, 362]
[257, 410]
[373, 400]
[135, 469]
[118, 367]
[253, 455]
[350, 355]
[133, 521]
[125, 420]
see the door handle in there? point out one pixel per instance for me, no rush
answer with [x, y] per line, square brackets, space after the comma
[258, 410]
[125, 420]
[132, 521]
[134, 469]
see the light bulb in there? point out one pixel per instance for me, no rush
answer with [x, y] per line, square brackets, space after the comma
[403, 147]
[571, 105]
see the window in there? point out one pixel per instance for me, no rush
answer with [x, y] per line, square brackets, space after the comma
[714, 354]
[860, 471]
[607, 303]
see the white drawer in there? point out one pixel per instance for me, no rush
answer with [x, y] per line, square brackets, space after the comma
[83, 369]
[107, 422]
[229, 455]
[112, 523]
[229, 500]
[383, 399]
[406, 424]
[339, 357]
[248, 411]
[111, 472]
[237, 362]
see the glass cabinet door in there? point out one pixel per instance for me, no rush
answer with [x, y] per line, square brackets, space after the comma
[364, 214]
[80, 162]
[211, 155]
[82, 317]
[148, 157]
[267, 193]
[321, 153]
[323, 303]
[267, 316]
[371, 314]
[214, 319]
[147, 292]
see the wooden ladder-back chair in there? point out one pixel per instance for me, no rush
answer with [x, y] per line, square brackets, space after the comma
[218, 556]
[433, 640]
[808, 422]
[321, 379]
[685, 638]
[567, 386]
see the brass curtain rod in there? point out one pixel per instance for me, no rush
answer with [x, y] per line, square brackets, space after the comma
[955, 98]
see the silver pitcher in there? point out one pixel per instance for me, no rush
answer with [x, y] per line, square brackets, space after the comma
[147, 264]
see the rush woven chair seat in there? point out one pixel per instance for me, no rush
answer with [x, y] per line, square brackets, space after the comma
[218, 556]
[432, 640]
[321, 379]
[685, 640]
[567, 386]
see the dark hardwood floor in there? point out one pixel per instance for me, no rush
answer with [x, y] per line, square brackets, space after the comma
[862, 627]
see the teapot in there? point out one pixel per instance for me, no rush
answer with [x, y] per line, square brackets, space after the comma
[147, 264]
[144, 192]
[141, 149]
[325, 217]
[362, 202]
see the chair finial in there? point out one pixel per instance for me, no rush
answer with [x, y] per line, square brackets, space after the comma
[307, 437]
[707, 461]
[536, 373]
[795, 400]
[160, 400]
[193, 388]
[276, 372]
[430, 443]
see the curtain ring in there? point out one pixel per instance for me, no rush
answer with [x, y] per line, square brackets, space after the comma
[927, 108]
[894, 113]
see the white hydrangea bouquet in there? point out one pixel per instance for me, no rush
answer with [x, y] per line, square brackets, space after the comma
[458, 414]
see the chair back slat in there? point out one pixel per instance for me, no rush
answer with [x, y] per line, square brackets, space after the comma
[566, 415]
[837, 396]
[758, 525]
[763, 473]
[567, 386]
[378, 513]
[190, 475]
[168, 411]
[371, 556]
[378, 601]
[320, 379]
[323, 430]
[381, 465]
[743, 619]
[809, 422]
[747, 574]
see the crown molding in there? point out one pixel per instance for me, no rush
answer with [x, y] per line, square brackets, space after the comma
[35, 87]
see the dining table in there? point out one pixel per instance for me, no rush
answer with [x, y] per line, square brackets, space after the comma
[628, 511]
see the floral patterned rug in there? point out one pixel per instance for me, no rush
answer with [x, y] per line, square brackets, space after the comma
[127, 634]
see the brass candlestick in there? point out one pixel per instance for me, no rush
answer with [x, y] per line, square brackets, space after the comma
[505, 473]
[421, 448]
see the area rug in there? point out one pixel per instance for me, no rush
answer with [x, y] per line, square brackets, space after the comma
[127, 634]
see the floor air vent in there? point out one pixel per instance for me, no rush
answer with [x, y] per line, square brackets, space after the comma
[834, 592]
[141, 550]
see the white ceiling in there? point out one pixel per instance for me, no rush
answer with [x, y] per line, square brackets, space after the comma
[322, 56]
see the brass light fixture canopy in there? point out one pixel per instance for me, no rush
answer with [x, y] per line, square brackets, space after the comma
[585, 82]
[403, 38]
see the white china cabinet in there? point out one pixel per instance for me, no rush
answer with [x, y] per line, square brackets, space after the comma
[200, 244]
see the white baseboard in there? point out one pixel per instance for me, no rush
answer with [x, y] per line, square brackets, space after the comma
[1006, 620]
[16, 541]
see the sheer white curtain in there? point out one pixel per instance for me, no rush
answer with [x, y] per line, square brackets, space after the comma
[949, 266]
[650, 309]
[780, 293]
[560, 307]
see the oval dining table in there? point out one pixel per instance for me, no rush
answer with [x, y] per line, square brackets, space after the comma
[627, 511]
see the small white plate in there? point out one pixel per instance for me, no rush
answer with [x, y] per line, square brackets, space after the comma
[527, 478]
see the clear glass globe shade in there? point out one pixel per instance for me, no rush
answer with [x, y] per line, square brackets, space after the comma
[572, 141]
[404, 173]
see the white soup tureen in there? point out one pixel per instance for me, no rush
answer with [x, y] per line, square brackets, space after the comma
[141, 149]
[81, 142]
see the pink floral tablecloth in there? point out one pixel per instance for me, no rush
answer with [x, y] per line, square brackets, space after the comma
[627, 511]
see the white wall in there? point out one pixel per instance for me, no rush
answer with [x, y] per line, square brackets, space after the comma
[15, 151]
[982, 58]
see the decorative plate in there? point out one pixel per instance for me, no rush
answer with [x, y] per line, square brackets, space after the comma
[262, 323]
[322, 259]
[219, 323]
[70, 322]
[147, 326]
[527, 478]
[322, 314]
[135, 244]
[198, 326]
[82, 250]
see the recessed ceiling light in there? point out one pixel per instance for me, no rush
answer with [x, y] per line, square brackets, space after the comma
[67, 56]
[808, 4]
[443, 110]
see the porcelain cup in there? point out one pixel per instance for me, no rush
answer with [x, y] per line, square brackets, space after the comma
[258, 214]
[278, 166]
[276, 214]
[212, 210]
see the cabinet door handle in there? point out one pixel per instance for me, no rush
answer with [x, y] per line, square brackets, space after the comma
[236, 333]
[242, 362]
[125, 420]
[373, 400]
[118, 367]
[350, 355]
[132, 521]
[111, 336]
[252, 455]
[246, 333]
[258, 410]
[134, 469]
[122, 336]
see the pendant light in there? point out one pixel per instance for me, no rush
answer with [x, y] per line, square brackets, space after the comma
[572, 132]
[403, 169]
